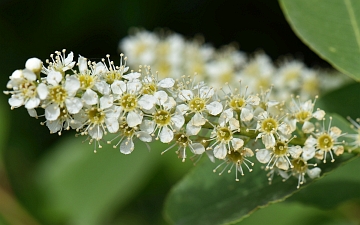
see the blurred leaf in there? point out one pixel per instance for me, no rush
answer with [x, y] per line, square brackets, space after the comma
[4, 121]
[203, 197]
[344, 101]
[330, 28]
[81, 187]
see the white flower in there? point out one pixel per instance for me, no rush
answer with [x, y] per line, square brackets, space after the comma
[183, 141]
[324, 142]
[270, 127]
[237, 158]
[63, 97]
[355, 137]
[301, 167]
[59, 63]
[34, 64]
[26, 91]
[163, 120]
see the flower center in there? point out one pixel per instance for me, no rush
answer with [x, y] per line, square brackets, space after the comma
[235, 156]
[86, 81]
[182, 139]
[162, 118]
[237, 103]
[280, 148]
[300, 166]
[128, 102]
[325, 142]
[126, 130]
[197, 104]
[149, 88]
[224, 134]
[28, 89]
[58, 94]
[96, 115]
[269, 125]
[111, 76]
[303, 116]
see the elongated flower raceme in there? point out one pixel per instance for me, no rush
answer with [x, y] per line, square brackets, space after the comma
[98, 98]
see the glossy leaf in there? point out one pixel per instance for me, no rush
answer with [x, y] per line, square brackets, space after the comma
[203, 197]
[331, 28]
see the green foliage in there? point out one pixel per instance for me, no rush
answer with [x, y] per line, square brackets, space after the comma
[204, 198]
[330, 28]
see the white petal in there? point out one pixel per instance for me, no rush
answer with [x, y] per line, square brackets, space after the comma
[133, 119]
[214, 108]
[148, 126]
[54, 78]
[90, 97]
[126, 146]
[73, 105]
[308, 153]
[253, 100]
[308, 127]
[220, 151]
[82, 65]
[106, 101]
[96, 132]
[183, 108]
[132, 76]
[147, 101]
[178, 121]
[263, 155]
[32, 103]
[169, 104]
[246, 114]
[166, 83]
[192, 130]
[54, 126]
[118, 87]
[32, 112]
[15, 101]
[144, 136]
[72, 85]
[237, 143]
[234, 124]
[29, 75]
[52, 112]
[161, 97]
[319, 114]
[166, 135]
[103, 87]
[197, 148]
[314, 173]
[133, 86]
[206, 92]
[197, 120]
[42, 91]
[186, 95]
[295, 151]
[268, 140]
[112, 124]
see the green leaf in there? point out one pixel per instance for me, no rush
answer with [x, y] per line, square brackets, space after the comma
[203, 197]
[4, 121]
[80, 187]
[330, 28]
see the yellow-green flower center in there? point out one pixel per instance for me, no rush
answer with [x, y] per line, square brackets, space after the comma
[128, 102]
[96, 115]
[182, 139]
[235, 156]
[111, 76]
[162, 118]
[149, 88]
[303, 116]
[325, 142]
[126, 130]
[280, 148]
[237, 103]
[197, 104]
[300, 166]
[58, 94]
[224, 134]
[28, 89]
[86, 81]
[269, 125]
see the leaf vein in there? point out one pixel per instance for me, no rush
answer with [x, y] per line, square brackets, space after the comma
[353, 21]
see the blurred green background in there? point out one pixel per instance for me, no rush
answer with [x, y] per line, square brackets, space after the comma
[46, 179]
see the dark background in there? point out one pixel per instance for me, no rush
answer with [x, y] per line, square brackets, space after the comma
[93, 29]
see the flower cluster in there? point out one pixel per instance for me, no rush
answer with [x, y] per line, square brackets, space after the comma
[97, 98]
[173, 55]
